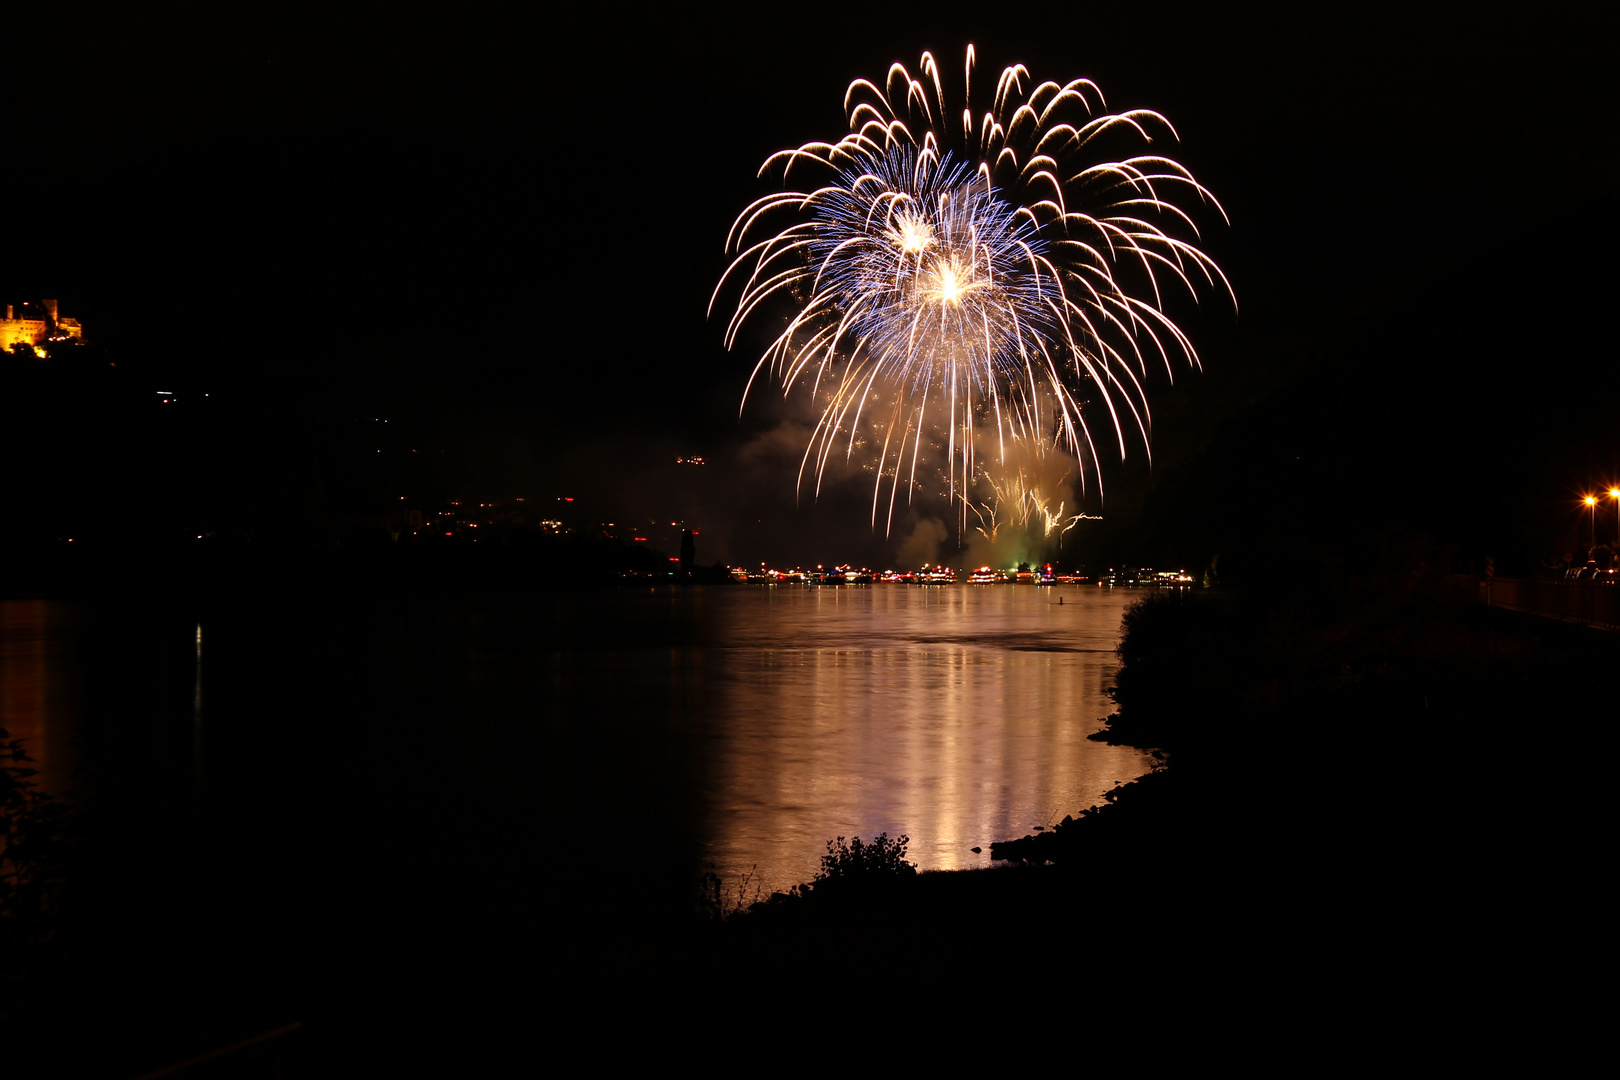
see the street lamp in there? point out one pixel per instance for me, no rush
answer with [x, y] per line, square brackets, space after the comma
[1591, 504]
[1614, 493]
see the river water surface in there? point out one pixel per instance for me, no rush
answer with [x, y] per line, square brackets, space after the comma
[437, 805]
[956, 716]
[741, 727]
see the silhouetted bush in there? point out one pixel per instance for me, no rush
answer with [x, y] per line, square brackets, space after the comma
[854, 861]
[719, 899]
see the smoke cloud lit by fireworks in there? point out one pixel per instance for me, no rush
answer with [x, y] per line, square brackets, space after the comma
[957, 288]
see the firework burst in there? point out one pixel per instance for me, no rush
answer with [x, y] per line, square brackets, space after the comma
[970, 286]
[1021, 503]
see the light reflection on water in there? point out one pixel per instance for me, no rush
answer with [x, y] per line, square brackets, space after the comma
[957, 716]
[39, 685]
[636, 733]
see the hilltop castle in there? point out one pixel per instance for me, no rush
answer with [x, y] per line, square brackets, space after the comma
[35, 321]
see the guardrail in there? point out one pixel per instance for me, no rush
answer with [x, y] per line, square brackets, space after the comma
[1591, 603]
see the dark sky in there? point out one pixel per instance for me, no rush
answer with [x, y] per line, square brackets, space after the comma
[511, 223]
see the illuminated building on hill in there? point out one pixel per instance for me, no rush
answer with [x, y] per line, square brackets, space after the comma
[35, 322]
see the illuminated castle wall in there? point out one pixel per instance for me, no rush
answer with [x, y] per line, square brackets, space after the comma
[15, 328]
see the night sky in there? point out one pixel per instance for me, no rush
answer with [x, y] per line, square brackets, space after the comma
[501, 230]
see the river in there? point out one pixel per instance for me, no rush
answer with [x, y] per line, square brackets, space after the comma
[740, 727]
[297, 798]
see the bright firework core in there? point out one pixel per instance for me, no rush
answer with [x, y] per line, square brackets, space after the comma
[934, 277]
[967, 303]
